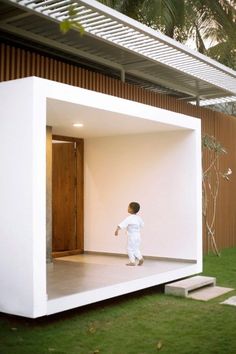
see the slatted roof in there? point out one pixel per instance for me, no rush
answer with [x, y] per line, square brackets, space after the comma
[216, 101]
[119, 43]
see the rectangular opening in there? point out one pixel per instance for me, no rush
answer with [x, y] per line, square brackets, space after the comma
[131, 152]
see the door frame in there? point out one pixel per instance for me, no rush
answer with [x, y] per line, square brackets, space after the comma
[79, 195]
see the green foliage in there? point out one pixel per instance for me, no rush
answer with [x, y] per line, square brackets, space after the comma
[224, 52]
[65, 26]
[208, 23]
[199, 20]
[70, 21]
[209, 142]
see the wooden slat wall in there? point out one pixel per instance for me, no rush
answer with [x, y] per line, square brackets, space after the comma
[18, 63]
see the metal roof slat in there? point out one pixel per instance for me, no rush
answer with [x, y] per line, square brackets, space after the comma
[194, 69]
[139, 41]
[164, 57]
[148, 44]
[195, 66]
[58, 14]
[158, 50]
[45, 11]
[125, 34]
[217, 101]
[117, 27]
[88, 14]
[162, 49]
[59, 46]
[52, 4]
[152, 50]
[56, 5]
[166, 52]
[104, 20]
[176, 62]
[186, 68]
[179, 59]
[190, 63]
[27, 2]
[62, 13]
[45, 3]
[133, 39]
[110, 33]
[130, 44]
[83, 10]
[172, 65]
[94, 21]
[62, 10]
[137, 35]
[93, 29]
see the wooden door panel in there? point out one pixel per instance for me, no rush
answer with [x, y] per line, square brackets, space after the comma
[63, 197]
[80, 193]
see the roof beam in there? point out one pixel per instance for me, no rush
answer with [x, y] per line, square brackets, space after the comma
[16, 17]
[138, 64]
[166, 83]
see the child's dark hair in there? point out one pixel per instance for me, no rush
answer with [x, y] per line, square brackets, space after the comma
[134, 206]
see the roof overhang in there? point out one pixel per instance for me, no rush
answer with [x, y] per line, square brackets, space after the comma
[217, 101]
[120, 43]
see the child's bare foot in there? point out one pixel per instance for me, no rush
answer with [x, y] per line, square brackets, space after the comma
[131, 264]
[140, 262]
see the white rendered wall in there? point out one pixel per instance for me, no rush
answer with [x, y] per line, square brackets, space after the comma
[22, 201]
[158, 170]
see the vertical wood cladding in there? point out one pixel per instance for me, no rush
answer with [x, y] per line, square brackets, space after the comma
[17, 63]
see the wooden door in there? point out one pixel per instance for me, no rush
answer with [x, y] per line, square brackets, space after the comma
[67, 197]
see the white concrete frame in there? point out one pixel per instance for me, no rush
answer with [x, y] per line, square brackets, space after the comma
[132, 152]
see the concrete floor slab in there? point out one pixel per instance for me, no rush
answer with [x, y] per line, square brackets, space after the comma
[86, 279]
[209, 293]
[76, 274]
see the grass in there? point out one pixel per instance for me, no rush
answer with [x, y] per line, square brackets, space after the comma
[147, 322]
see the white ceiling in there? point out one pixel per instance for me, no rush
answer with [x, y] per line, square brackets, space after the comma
[97, 123]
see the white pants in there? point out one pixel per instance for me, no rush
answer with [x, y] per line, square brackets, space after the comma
[134, 241]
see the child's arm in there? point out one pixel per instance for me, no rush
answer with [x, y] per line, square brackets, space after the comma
[117, 230]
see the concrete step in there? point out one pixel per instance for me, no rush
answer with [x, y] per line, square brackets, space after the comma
[230, 301]
[208, 293]
[184, 287]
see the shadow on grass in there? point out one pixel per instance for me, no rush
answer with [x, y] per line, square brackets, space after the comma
[15, 321]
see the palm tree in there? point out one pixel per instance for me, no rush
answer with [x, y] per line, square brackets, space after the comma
[214, 30]
[209, 24]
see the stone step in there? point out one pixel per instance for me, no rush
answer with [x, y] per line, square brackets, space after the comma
[208, 293]
[230, 301]
[184, 287]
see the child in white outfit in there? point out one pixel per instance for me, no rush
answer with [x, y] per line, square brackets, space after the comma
[132, 224]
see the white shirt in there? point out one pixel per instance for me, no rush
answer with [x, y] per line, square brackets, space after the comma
[132, 224]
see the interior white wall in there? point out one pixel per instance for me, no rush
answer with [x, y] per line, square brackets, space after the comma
[158, 170]
[22, 202]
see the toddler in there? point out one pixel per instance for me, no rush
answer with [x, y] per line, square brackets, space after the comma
[132, 224]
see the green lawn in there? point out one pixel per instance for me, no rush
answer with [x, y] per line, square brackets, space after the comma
[142, 323]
